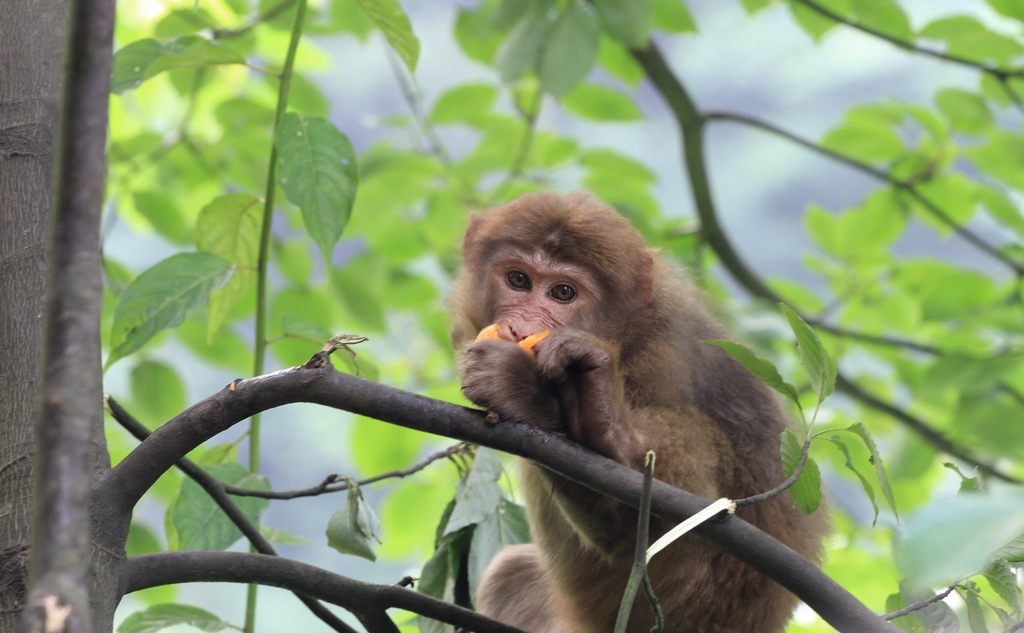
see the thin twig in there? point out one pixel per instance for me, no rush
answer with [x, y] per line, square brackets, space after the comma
[215, 489]
[878, 174]
[414, 99]
[639, 571]
[1004, 82]
[260, 18]
[515, 169]
[910, 46]
[889, 341]
[917, 606]
[324, 486]
[785, 485]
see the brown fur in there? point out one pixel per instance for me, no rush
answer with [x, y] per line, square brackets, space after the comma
[622, 372]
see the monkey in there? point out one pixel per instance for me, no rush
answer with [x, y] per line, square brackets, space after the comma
[623, 371]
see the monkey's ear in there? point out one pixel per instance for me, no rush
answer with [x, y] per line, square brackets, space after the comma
[645, 278]
[475, 220]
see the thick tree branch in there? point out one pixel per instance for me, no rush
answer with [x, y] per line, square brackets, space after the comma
[71, 412]
[324, 385]
[217, 492]
[691, 124]
[169, 568]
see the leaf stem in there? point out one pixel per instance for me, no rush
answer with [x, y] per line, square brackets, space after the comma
[261, 268]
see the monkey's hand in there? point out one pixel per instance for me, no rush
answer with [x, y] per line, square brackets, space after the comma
[584, 370]
[500, 376]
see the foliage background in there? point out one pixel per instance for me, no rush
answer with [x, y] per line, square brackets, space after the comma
[186, 136]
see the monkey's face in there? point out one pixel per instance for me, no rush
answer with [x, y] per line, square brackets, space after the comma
[529, 291]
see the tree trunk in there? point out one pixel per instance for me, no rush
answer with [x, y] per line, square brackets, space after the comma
[32, 40]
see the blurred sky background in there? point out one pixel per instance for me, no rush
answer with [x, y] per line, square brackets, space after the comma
[762, 186]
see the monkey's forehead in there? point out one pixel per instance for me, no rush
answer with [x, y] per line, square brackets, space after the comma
[536, 260]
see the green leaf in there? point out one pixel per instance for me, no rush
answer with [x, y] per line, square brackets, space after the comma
[966, 111]
[1002, 158]
[570, 50]
[394, 23]
[967, 484]
[861, 431]
[967, 37]
[868, 489]
[230, 227]
[162, 616]
[141, 540]
[157, 390]
[813, 22]
[885, 16]
[600, 103]
[1013, 551]
[436, 580]
[161, 297]
[465, 103]
[673, 16]
[479, 493]
[353, 527]
[276, 536]
[864, 139]
[162, 212]
[1009, 8]
[618, 62]
[147, 58]
[507, 525]
[975, 612]
[628, 21]
[820, 368]
[317, 170]
[967, 530]
[1002, 209]
[183, 22]
[292, 325]
[937, 617]
[753, 6]
[1003, 580]
[806, 490]
[760, 367]
[199, 521]
[521, 50]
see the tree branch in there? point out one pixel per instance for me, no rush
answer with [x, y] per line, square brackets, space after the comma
[324, 486]
[910, 46]
[691, 124]
[322, 384]
[71, 419]
[168, 568]
[917, 606]
[265, 16]
[216, 490]
[785, 485]
[903, 185]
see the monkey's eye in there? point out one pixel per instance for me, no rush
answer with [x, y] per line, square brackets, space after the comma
[518, 279]
[563, 292]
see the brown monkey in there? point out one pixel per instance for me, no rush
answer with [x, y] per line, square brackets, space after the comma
[623, 371]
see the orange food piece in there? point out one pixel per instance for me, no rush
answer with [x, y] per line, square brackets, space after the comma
[531, 340]
[491, 331]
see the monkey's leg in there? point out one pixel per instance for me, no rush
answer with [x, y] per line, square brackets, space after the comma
[516, 590]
